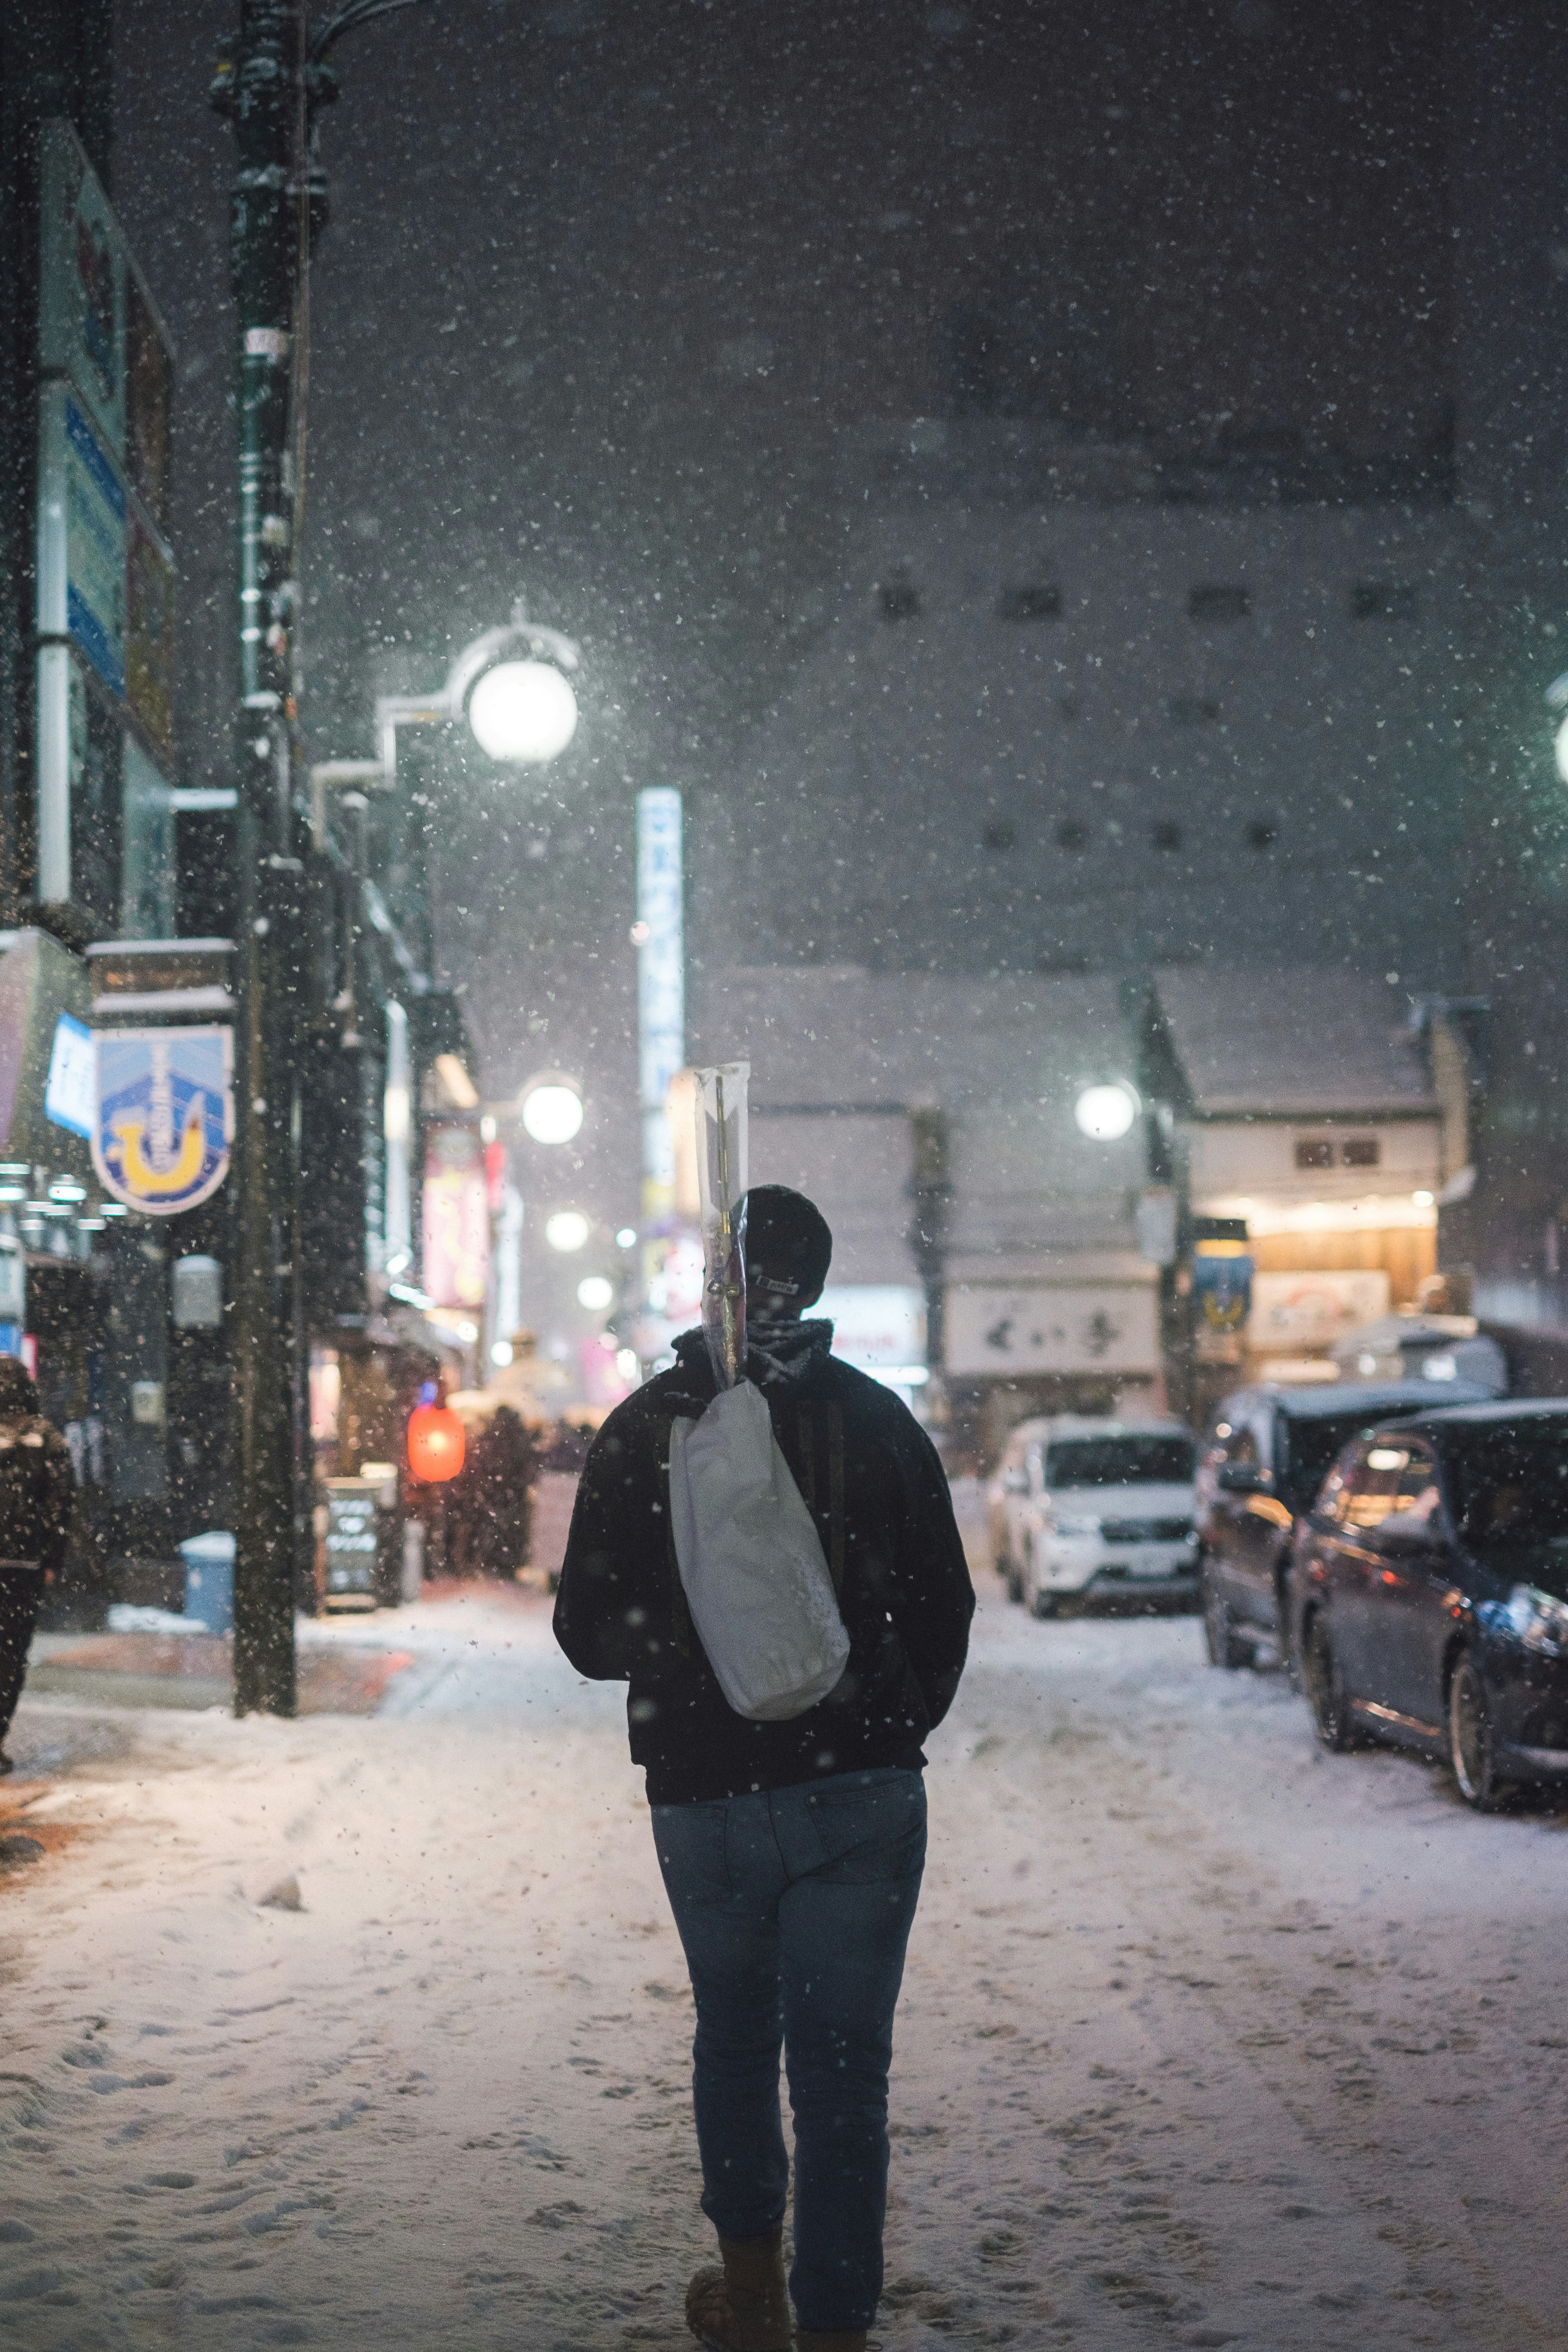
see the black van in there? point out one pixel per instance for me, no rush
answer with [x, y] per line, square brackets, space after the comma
[1264, 1454]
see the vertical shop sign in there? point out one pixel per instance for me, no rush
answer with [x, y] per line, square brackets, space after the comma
[148, 369]
[662, 985]
[456, 1265]
[81, 290]
[81, 539]
[149, 632]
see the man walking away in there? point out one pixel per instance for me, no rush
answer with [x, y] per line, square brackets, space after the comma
[792, 1851]
[36, 1497]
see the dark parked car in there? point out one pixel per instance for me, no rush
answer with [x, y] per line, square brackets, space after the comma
[1430, 1592]
[1265, 1454]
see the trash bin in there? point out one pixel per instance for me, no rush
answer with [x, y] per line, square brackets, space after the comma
[209, 1580]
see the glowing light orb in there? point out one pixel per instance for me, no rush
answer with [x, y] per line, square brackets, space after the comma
[1105, 1113]
[522, 712]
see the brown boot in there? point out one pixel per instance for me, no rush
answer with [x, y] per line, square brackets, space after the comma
[744, 2308]
[831, 2339]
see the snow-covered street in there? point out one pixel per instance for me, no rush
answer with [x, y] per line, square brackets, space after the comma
[1208, 2038]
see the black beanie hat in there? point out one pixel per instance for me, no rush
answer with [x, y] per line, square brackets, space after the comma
[788, 1247]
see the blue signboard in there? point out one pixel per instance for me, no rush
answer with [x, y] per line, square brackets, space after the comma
[69, 1089]
[164, 1119]
[1222, 1292]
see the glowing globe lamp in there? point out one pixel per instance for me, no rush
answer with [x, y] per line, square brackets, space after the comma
[552, 1113]
[523, 712]
[1105, 1113]
[436, 1445]
[568, 1229]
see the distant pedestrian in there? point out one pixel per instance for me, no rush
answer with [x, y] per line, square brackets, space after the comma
[791, 1851]
[504, 1464]
[36, 1492]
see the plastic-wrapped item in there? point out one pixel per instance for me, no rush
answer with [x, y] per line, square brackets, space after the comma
[750, 1562]
[721, 1179]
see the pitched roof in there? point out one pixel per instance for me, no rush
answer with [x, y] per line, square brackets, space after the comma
[1299, 1041]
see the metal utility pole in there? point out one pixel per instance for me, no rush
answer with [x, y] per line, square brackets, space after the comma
[930, 1191]
[265, 86]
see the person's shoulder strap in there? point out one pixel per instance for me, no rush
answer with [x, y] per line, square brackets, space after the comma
[681, 1630]
[807, 1433]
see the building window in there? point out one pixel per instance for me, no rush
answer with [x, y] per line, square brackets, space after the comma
[1065, 707]
[1262, 832]
[1360, 1152]
[1034, 601]
[900, 601]
[1165, 835]
[1001, 833]
[1384, 600]
[1314, 1152]
[1213, 600]
[1191, 710]
[1072, 834]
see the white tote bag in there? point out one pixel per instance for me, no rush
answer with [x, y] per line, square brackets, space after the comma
[751, 1561]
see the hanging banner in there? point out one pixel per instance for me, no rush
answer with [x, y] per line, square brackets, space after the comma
[456, 1223]
[164, 1122]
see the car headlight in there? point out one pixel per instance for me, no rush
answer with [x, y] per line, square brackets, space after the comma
[1539, 1618]
[1075, 1527]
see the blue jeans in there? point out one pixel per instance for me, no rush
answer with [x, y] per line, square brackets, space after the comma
[794, 1907]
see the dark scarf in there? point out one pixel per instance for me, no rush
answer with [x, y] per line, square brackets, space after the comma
[779, 1349]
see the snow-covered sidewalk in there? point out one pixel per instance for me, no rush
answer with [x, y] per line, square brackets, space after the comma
[1208, 2039]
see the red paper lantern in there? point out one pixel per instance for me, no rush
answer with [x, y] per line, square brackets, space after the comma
[436, 1445]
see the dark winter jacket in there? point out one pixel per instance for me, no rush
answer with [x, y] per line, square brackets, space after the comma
[37, 1491]
[871, 1479]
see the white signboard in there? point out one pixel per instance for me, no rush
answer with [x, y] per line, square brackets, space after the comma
[1063, 1327]
[877, 1327]
[1292, 1311]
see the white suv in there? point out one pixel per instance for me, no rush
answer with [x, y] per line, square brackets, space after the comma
[1082, 1507]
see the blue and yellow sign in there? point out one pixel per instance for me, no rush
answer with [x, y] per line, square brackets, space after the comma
[1222, 1286]
[164, 1122]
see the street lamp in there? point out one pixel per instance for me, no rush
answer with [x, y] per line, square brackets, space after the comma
[550, 1108]
[1105, 1113]
[522, 712]
[512, 686]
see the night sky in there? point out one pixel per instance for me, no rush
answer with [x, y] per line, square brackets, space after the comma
[603, 282]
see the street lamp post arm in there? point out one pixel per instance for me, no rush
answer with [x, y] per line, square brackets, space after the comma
[513, 637]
